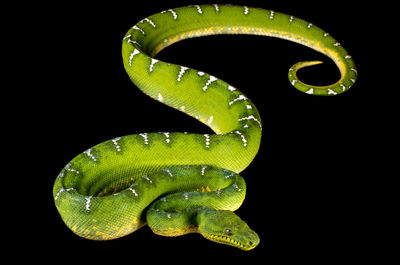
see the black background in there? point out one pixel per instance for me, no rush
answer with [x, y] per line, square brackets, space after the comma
[305, 187]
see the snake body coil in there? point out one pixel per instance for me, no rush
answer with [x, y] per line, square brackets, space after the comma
[179, 183]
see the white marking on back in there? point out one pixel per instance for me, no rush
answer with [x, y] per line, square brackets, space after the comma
[134, 192]
[291, 19]
[240, 97]
[147, 178]
[139, 29]
[153, 61]
[331, 92]
[181, 72]
[251, 117]
[310, 91]
[68, 168]
[309, 25]
[235, 186]
[186, 196]
[243, 138]
[60, 191]
[134, 42]
[203, 169]
[231, 88]
[149, 21]
[347, 57]
[167, 137]
[249, 107]
[326, 34]
[230, 175]
[168, 171]
[210, 80]
[336, 44]
[271, 15]
[88, 202]
[115, 142]
[246, 10]
[172, 12]
[145, 137]
[200, 73]
[135, 51]
[207, 136]
[216, 8]
[89, 154]
[198, 8]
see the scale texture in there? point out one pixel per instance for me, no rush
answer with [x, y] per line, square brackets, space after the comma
[179, 183]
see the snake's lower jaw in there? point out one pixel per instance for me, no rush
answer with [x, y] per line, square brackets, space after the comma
[250, 242]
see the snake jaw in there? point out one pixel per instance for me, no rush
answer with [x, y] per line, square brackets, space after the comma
[232, 242]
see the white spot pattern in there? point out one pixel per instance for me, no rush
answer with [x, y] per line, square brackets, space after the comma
[207, 136]
[153, 61]
[149, 21]
[89, 154]
[310, 91]
[168, 171]
[172, 12]
[135, 51]
[331, 92]
[243, 138]
[88, 203]
[251, 117]
[203, 169]
[210, 80]
[236, 187]
[139, 29]
[167, 137]
[147, 178]
[145, 137]
[181, 72]
[240, 97]
[134, 192]
[271, 14]
[68, 168]
[60, 191]
[115, 142]
[198, 8]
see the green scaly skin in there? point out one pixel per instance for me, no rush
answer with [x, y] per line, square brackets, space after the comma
[179, 183]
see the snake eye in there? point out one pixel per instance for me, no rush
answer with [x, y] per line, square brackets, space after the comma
[228, 232]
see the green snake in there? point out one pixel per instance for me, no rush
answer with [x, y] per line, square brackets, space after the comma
[180, 183]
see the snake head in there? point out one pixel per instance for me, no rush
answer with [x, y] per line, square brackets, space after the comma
[227, 228]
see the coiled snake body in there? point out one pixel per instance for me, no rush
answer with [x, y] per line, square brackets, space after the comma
[179, 183]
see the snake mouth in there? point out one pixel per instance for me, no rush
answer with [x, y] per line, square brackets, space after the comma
[231, 242]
